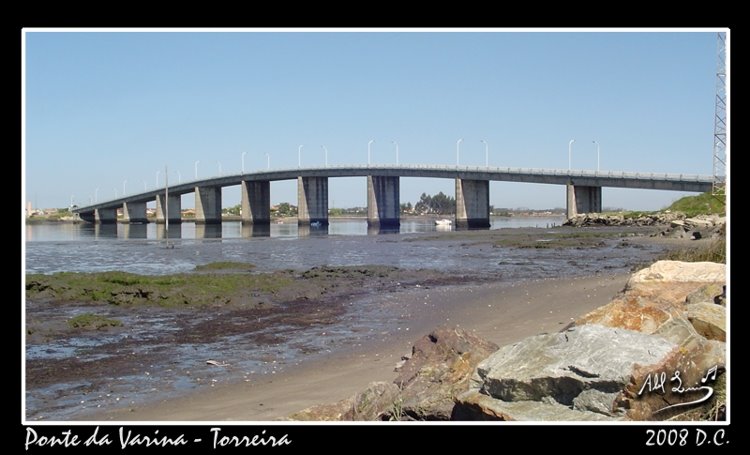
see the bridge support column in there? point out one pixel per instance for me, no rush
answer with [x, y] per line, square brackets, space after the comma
[134, 212]
[175, 209]
[256, 202]
[89, 217]
[472, 203]
[105, 216]
[383, 201]
[583, 199]
[207, 204]
[312, 200]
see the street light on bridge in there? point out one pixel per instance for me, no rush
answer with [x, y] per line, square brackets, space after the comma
[486, 153]
[179, 177]
[268, 161]
[243, 161]
[570, 153]
[96, 195]
[597, 155]
[219, 163]
[369, 151]
[196, 169]
[326, 154]
[145, 186]
[123, 186]
[458, 150]
[299, 156]
[157, 179]
[396, 144]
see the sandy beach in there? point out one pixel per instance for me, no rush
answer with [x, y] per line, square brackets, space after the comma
[502, 313]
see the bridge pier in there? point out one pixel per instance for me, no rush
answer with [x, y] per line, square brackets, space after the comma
[583, 199]
[383, 208]
[175, 209]
[207, 204]
[472, 203]
[105, 216]
[134, 212]
[256, 202]
[312, 200]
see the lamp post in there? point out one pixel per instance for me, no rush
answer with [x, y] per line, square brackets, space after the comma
[157, 179]
[268, 161]
[243, 161]
[196, 169]
[219, 164]
[299, 156]
[486, 153]
[570, 153]
[145, 186]
[458, 150]
[369, 151]
[326, 154]
[123, 186]
[597, 155]
[396, 144]
[96, 195]
[179, 177]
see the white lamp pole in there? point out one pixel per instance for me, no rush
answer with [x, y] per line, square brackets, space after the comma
[326, 153]
[369, 152]
[96, 195]
[123, 186]
[396, 144]
[458, 150]
[597, 155]
[196, 170]
[243, 161]
[570, 153]
[486, 153]
[219, 163]
[299, 156]
[145, 186]
[157, 179]
[268, 161]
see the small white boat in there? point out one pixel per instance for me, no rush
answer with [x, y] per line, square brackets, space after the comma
[315, 224]
[443, 222]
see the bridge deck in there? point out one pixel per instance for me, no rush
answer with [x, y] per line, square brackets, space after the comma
[673, 182]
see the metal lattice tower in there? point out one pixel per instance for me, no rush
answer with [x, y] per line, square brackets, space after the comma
[720, 119]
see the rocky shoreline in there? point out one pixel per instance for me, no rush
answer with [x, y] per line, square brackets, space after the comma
[674, 224]
[618, 362]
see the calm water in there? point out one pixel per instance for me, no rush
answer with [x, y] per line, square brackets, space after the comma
[139, 248]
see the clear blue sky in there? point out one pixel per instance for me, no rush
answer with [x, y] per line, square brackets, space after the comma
[106, 107]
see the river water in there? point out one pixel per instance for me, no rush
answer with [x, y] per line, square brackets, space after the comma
[167, 366]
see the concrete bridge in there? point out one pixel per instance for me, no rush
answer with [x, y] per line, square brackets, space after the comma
[584, 192]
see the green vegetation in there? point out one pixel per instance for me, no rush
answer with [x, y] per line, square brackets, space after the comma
[92, 321]
[440, 204]
[283, 210]
[703, 204]
[224, 265]
[235, 210]
[121, 288]
[716, 251]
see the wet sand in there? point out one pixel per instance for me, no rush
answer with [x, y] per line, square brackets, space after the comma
[502, 313]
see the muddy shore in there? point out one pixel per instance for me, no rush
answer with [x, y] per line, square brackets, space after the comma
[301, 336]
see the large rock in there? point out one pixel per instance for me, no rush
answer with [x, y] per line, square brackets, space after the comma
[632, 311]
[679, 272]
[709, 320]
[473, 405]
[558, 368]
[644, 400]
[713, 292]
[439, 369]
[374, 403]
